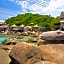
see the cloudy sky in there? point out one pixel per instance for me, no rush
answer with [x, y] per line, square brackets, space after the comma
[9, 8]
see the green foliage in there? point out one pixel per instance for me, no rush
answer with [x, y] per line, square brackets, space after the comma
[46, 21]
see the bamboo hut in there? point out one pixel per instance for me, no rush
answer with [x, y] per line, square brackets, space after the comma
[27, 28]
[14, 28]
[57, 26]
[21, 28]
[3, 27]
[62, 21]
[62, 15]
[36, 28]
[62, 25]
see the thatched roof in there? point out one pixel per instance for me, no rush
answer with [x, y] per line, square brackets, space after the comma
[3, 26]
[62, 15]
[16, 29]
[22, 25]
[14, 25]
[28, 26]
[36, 25]
[62, 21]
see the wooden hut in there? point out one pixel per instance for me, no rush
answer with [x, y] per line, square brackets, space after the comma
[21, 28]
[57, 26]
[27, 28]
[62, 25]
[36, 28]
[3, 27]
[14, 28]
[62, 21]
[62, 15]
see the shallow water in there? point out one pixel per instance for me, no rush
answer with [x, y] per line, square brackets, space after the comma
[3, 38]
[23, 39]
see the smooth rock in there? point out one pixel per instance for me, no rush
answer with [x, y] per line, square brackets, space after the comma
[52, 35]
[25, 53]
[4, 58]
[53, 52]
[45, 62]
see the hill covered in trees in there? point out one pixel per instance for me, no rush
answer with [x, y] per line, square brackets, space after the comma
[30, 19]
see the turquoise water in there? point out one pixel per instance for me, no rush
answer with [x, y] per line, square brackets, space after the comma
[3, 38]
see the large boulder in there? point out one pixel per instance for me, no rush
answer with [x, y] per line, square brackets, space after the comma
[52, 35]
[7, 48]
[25, 53]
[45, 62]
[53, 52]
[4, 58]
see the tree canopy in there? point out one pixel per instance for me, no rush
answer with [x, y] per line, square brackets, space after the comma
[29, 19]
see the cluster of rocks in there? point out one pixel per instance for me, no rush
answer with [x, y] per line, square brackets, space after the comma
[27, 53]
[52, 35]
[44, 52]
[4, 53]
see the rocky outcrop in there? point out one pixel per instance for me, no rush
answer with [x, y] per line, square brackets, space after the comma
[53, 52]
[42, 42]
[45, 62]
[52, 35]
[7, 48]
[4, 58]
[9, 41]
[25, 53]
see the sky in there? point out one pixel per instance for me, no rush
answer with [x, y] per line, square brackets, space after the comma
[10, 8]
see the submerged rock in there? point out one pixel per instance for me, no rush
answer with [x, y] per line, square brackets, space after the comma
[25, 53]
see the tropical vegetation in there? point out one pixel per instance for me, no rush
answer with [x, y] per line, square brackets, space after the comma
[29, 19]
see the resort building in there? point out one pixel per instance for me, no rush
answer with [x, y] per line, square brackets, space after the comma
[13, 28]
[60, 24]
[21, 28]
[62, 21]
[37, 28]
[3, 27]
[27, 28]
[56, 26]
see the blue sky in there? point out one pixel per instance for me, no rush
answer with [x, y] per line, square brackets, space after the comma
[9, 8]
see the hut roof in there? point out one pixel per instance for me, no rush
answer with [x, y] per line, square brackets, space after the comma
[62, 15]
[28, 26]
[22, 25]
[3, 26]
[62, 21]
[16, 29]
[36, 25]
[14, 25]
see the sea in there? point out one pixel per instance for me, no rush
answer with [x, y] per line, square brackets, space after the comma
[3, 38]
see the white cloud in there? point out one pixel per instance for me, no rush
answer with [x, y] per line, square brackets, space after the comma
[53, 7]
[2, 21]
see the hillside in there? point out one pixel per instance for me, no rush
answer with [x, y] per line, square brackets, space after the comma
[29, 19]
